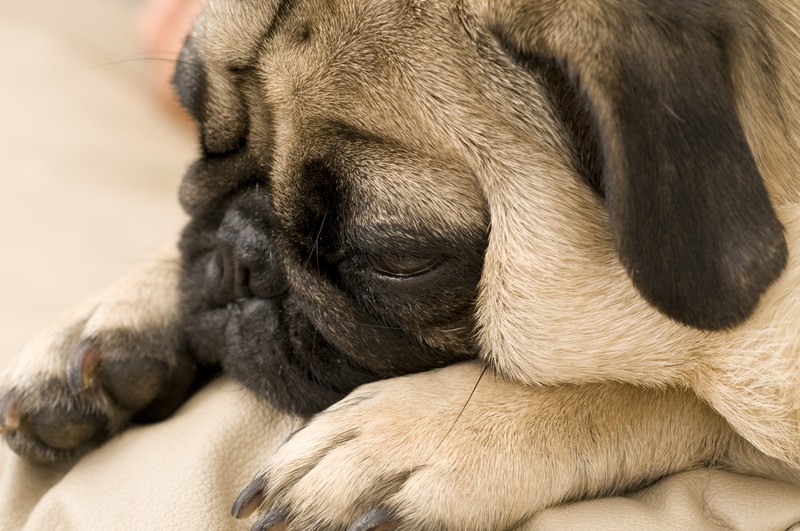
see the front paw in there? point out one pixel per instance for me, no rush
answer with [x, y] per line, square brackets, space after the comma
[463, 449]
[114, 359]
[399, 454]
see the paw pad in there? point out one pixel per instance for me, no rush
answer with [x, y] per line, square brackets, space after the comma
[81, 365]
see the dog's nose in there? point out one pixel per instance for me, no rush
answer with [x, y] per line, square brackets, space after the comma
[232, 255]
[227, 278]
[230, 276]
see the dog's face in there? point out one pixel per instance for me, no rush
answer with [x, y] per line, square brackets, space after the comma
[386, 187]
[332, 251]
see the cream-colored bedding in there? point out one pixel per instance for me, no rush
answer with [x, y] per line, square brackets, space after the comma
[185, 473]
[89, 169]
[179, 474]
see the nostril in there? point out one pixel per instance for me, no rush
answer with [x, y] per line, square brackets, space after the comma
[214, 272]
[227, 279]
[241, 280]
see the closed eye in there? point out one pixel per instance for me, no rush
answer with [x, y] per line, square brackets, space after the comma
[400, 267]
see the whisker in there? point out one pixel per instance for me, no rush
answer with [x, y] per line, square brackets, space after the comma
[381, 327]
[460, 413]
[135, 59]
[315, 248]
[456, 329]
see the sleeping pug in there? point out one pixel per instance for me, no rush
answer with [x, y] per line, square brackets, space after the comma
[519, 253]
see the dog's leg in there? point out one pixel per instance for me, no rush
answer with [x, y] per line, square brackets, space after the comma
[425, 453]
[751, 374]
[116, 357]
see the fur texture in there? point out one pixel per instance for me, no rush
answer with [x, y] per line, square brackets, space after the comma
[598, 200]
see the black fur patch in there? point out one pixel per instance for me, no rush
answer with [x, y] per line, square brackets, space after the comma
[691, 218]
[256, 303]
[191, 81]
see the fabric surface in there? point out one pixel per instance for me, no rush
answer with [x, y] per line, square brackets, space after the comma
[90, 168]
[180, 474]
[89, 164]
[184, 473]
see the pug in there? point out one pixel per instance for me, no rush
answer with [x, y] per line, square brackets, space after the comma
[501, 254]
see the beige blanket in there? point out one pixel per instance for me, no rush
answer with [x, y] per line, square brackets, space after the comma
[185, 473]
[89, 169]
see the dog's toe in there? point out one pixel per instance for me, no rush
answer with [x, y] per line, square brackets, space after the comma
[136, 376]
[62, 429]
[132, 382]
[378, 519]
[52, 423]
[119, 357]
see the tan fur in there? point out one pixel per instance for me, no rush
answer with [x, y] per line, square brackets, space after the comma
[145, 300]
[751, 374]
[592, 371]
[555, 305]
[512, 450]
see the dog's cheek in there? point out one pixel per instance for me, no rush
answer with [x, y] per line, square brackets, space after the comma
[274, 351]
[249, 340]
[203, 323]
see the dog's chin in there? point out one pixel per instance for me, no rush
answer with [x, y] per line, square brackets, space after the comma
[271, 348]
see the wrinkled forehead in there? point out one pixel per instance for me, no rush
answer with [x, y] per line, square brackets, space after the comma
[376, 65]
[360, 86]
[346, 82]
[326, 60]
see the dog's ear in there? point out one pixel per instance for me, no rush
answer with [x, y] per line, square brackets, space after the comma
[691, 218]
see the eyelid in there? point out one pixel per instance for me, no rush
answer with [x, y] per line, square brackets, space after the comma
[425, 266]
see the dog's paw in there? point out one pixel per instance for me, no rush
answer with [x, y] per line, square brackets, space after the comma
[403, 453]
[463, 449]
[115, 358]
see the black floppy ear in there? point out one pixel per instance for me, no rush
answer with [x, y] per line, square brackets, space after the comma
[692, 221]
